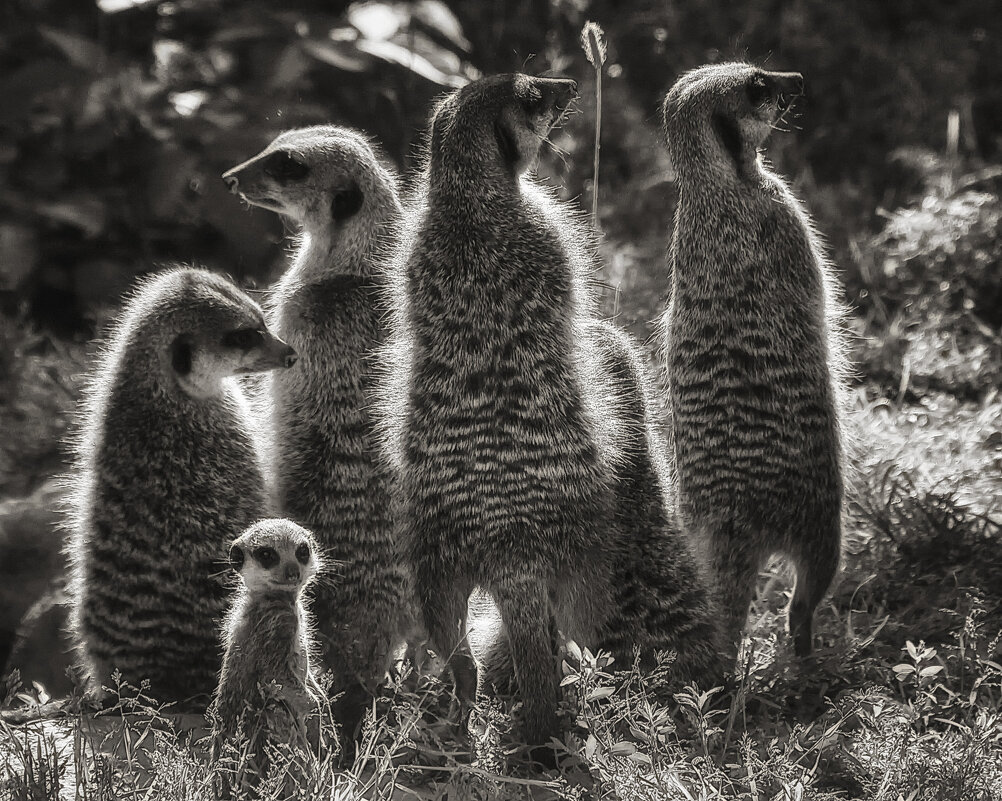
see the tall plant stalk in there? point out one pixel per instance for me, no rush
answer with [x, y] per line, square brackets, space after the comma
[593, 44]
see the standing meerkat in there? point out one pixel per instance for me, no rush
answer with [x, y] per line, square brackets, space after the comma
[268, 695]
[497, 424]
[167, 473]
[331, 306]
[754, 360]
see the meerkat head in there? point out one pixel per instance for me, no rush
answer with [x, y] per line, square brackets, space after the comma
[321, 177]
[204, 329]
[275, 557]
[732, 107]
[500, 121]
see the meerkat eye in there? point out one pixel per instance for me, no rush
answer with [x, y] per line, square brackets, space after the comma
[758, 91]
[267, 557]
[303, 554]
[346, 202]
[243, 338]
[236, 557]
[283, 167]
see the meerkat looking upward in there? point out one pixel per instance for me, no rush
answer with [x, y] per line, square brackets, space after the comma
[496, 423]
[330, 306]
[167, 473]
[754, 361]
[268, 694]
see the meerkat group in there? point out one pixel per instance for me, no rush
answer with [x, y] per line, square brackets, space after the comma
[447, 414]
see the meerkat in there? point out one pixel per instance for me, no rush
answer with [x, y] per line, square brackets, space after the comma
[754, 359]
[167, 472]
[268, 694]
[496, 424]
[331, 306]
[662, 598]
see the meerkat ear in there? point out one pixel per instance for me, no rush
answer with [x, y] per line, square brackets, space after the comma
[346, 202]
[729, 134]
[236, 557]
[181, 355]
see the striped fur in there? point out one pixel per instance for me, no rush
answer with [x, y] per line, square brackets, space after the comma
[662, 599]
[754, 362]
[163, 481]
[495, 420]
[324, 455]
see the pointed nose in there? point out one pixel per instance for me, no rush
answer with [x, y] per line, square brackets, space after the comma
[559, 91]
[290, 357]
[787, 86]
[292, 573]
[232, 182]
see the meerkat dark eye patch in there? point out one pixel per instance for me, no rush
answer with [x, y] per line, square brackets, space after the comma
[284, 167]
[729, 134]
[303, 554]
[236, 557]
[346, 202]
[267, 557]
[181, 355]
[758, 92]
[243, 338]
[507, 145]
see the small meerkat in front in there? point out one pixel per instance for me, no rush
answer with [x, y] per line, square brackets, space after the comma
[268, 694]
[755, 365]
[167, 472]
[324, 453]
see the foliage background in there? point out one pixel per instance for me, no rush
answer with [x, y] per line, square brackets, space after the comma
[117, 118]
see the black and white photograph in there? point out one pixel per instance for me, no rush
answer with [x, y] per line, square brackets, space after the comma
[558, 400]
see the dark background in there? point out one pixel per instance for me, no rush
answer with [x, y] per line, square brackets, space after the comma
[117, 119]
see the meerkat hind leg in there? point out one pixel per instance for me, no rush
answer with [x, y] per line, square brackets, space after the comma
[735, 568]
[815, 572]
[525, 610]
[444, 604]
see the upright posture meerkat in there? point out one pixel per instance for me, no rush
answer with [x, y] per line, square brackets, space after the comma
[752, 347]
[504, 475]
[331, 307]
[167, 473]
[267, 691]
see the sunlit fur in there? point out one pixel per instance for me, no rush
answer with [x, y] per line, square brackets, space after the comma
[755, 363]
[268, 694]
[497, 424]
[166, 474]
[331, 306]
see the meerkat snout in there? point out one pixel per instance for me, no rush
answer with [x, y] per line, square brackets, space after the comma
[782, 88]
[558, 92]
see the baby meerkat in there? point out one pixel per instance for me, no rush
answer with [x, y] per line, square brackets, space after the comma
[268, 695]
[324, 453]
[755, 365]
[167, 473]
